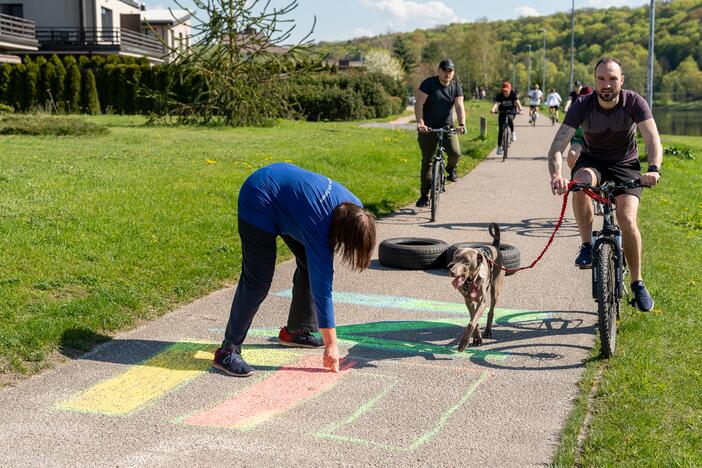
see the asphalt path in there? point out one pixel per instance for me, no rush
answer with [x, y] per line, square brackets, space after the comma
[406, 397]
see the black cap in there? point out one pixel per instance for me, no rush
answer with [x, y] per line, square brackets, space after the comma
[578, 83]
[447, 63]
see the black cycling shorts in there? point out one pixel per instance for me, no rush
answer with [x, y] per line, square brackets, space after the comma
[617, 172]
[533, 107]
[553, 107]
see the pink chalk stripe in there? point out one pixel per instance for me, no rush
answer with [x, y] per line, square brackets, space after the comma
[282, 390]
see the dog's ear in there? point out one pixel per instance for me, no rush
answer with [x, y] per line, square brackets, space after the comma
[482, 266]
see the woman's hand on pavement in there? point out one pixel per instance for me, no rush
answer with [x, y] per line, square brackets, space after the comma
[331, 357]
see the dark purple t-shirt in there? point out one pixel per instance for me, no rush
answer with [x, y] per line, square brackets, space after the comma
[609, 134]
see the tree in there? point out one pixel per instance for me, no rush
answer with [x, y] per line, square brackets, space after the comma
[238, 69]
[381, 61]
[403, 53]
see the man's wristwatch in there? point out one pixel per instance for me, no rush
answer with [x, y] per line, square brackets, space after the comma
[654, 168]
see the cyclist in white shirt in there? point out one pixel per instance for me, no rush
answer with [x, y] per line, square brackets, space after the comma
[553, 101]
[535, 97]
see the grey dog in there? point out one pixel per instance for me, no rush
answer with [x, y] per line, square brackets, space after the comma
[474, 276]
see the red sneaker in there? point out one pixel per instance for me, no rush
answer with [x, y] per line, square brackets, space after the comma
[301, 339]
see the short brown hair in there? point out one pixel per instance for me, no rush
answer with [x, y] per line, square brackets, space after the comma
[606, 60]
[352, 234]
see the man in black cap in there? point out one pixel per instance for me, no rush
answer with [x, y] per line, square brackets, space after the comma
[435, 98]
[573, 95]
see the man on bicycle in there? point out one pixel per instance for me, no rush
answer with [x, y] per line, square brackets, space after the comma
[434, 100]
[535, 97]
[507, 105]
[609, 118]
[573, 96]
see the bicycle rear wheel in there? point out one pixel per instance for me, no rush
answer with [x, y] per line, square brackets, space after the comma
[436, 174]
[607, 300]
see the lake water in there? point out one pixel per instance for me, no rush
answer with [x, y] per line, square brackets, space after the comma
[678, 122]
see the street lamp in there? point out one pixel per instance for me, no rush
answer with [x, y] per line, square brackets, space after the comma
[543, 71]
[529, 68]
[651, 30]
[572, 41]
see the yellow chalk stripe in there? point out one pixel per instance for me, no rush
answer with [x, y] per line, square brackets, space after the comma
[145, 382]
[155, 377]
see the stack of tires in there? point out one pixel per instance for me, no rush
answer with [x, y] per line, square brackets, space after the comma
[420, 253]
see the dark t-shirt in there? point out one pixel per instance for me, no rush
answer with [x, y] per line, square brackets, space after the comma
[573, 96]
[609, 134]
[507, 104]
[437, 108]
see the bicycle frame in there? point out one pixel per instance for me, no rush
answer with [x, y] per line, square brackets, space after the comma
[438, 173]
[609, 234]
[608, 262]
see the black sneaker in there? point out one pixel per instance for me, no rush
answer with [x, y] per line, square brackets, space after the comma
[301, 339]
[422, 202]
[584, 258]
[452, 176]
[230, 362]
[642, 298]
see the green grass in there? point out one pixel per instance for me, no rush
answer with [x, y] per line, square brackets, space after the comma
[101, 232]
[647, 409]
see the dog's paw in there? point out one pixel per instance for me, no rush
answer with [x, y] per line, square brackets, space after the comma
[487, 333]
[477, 341]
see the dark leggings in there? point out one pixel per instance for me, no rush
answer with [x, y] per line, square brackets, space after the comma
[258, 252]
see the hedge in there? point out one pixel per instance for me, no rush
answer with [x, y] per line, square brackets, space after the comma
[128, 86]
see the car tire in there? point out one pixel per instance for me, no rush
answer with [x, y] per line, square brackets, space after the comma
[412, 253]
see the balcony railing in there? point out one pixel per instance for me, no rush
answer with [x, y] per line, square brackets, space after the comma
[17, 30]
[92, 40]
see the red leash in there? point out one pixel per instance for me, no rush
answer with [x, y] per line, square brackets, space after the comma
[558, 225]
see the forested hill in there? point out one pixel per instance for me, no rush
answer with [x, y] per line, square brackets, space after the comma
[487, 51]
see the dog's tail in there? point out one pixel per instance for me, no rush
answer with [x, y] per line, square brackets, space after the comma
[494, 231]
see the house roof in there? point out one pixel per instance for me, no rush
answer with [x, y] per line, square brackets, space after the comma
[132, 3]
[165, 16]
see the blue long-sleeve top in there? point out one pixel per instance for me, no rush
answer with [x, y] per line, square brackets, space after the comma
[284, 199]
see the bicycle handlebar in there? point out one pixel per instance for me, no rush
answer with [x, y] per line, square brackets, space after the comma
[608, 187]
[448, 129]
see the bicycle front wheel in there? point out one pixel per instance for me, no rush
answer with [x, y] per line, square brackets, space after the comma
[607, 300]
[436, 174]
[506, 141]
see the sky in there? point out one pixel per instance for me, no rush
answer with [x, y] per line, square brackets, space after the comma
[339, 20]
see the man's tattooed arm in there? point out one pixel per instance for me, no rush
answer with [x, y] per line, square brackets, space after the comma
[560, 141]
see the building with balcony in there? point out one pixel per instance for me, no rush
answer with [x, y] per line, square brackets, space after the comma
[17, 35]
[90, 27]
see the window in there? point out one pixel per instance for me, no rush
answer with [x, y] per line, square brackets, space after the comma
[106, 17]
[13, 9]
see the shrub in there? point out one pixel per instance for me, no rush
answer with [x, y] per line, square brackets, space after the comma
[329, 104]
[90, 99]
[4, 108]
[72, 85]
[58, 83]
[15, 91]
[5, 77]
[32, 89]
[44, 124]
